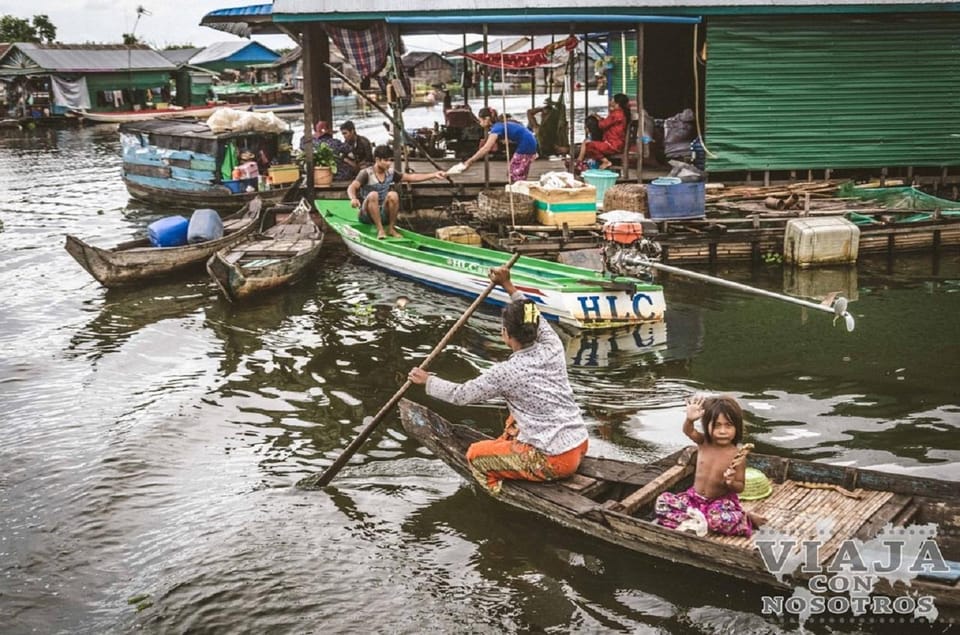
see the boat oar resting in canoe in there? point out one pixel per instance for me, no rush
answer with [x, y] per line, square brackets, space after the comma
[613, 500]
[571, 295]
[138, 260]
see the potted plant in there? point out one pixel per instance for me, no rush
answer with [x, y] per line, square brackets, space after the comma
[324, 164]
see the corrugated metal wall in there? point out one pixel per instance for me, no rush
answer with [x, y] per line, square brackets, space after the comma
[798, 92]
[623, 75]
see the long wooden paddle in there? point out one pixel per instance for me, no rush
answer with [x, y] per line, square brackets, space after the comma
[396, 124]
[316, 481]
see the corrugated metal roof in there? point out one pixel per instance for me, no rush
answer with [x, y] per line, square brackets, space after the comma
[221, 51]
[218, 51]
[282, 8]
[92, 58]
[242, 21]
[811, 92]
[180, 56]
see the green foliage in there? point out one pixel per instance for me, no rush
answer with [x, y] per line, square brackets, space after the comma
[323, 157]
[772, 258]
[45, 29]
[129, 39]
[13, 29]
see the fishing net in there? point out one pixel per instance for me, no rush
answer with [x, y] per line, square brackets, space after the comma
[900, 199]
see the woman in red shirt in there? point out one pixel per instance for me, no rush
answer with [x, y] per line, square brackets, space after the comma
[614, 130]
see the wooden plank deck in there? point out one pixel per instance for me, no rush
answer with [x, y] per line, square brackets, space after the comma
[799, 511]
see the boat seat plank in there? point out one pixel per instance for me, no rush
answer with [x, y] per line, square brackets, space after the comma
[259, 263]
[555, 493]
[618, 471]
[654, 488]
[578, 482]
[947, 577]
[800, 512]
[891, 509]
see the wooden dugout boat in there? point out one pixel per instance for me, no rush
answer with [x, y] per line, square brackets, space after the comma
[273, 258]
[577, 297]
[126, 116]
[613, 500]
[217, 197]
[137, 260]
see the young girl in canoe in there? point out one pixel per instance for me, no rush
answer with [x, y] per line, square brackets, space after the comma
[719, 477]
[544, 437]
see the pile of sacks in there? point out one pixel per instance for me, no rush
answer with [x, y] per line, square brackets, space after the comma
[559, 180]
[228, 119]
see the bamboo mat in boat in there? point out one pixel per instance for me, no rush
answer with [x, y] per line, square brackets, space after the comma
[797, 511]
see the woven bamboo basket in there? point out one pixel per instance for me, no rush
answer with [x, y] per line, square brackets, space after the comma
[493, 208]
[631, 197]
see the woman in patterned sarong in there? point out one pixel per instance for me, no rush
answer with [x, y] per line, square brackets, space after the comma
[544, 438]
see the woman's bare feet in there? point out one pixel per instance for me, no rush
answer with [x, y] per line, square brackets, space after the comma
[395, 233]
[605, 164]
[381, 234]
[756, 519]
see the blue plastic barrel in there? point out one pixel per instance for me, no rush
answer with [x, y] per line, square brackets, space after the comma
[205, 224]
[168, 232]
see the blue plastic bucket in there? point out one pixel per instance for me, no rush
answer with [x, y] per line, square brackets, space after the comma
[234, 186]
[600, 179]
[168, 232]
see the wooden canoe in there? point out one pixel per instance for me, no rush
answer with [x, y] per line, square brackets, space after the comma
[125, 116]
[613, 500]
[263, 261]
[582, 298]
[213, 196]
[137, 260]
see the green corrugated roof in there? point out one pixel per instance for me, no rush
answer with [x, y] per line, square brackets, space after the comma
[833, 92]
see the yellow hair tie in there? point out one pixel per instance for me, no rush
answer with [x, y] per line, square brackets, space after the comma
[530, 313]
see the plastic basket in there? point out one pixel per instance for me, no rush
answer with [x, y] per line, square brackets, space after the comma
[676, 200]
[494, 207]
[234, 186]
[600, 179]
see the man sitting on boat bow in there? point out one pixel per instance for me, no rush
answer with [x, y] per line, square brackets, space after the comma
[373, 186]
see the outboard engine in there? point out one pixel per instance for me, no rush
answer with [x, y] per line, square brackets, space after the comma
[625, 243]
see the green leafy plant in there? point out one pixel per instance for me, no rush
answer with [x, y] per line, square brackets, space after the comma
[323, 157]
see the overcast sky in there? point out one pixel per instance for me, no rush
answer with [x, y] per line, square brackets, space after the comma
[170, 22]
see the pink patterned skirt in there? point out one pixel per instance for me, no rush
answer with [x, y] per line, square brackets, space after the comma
[724, 515]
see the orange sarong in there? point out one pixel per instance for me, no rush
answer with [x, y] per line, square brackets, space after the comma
[504, 458]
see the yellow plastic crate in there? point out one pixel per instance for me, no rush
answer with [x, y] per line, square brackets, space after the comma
[284, 174]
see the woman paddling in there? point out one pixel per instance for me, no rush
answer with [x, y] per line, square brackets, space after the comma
[544, 437]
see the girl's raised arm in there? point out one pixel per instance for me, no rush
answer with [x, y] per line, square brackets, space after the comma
[694, 412]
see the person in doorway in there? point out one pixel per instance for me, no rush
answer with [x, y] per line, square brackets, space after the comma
[551, 129]
[544, 438]
[371, 191]
[357, 152]
[521, 142]
[613, 129]
[721, 471]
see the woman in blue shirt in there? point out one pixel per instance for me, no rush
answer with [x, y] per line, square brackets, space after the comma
[522, 143]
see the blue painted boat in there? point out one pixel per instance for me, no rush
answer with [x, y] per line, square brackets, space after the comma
[178, 163]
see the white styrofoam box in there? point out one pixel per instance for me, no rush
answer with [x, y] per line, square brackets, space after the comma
[827, 240]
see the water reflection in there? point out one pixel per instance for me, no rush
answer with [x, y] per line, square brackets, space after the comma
[162, 428]
[125, 311]
[563, 577]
